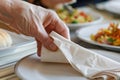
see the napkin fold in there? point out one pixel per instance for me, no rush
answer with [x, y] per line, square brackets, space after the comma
[92, 65]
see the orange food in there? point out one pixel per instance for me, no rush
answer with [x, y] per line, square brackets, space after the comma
[110, 35]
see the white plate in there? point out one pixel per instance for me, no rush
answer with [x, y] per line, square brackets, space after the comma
[20, 43]
[84, 34]
[97, 18]
[31, 68]
[112, 6]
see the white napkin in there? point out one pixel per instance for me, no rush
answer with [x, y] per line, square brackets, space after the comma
[90, 64]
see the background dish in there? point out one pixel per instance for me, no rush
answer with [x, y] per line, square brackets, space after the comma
[110, 6]
[113, 6]
[31, 68]
[20, 43]
[84, 34]
[97, 18]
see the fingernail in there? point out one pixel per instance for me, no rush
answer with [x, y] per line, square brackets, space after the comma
[53, 47]
[38, 53]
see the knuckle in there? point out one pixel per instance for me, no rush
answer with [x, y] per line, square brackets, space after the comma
[52, 13]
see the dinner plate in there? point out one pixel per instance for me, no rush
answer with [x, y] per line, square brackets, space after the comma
[20, 43]
[112, 6]
[31, 68]
[84, 34]
[97, 18]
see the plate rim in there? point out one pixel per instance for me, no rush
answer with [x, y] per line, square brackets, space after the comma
[18, 63]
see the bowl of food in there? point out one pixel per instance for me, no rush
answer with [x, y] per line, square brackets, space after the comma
[79, 17]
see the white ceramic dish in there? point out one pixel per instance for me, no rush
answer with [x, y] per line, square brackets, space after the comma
[31, 68]
[112, 6]
[20, 43]
[84, 34]
[97, 18]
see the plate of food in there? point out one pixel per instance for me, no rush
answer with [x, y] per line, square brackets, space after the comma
[79, 17]
[104, 35]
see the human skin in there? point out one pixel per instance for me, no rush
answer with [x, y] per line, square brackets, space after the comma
[32, 20]
[53, 3]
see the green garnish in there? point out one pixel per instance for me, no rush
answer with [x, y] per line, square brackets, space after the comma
[110, 40]
[75, 22]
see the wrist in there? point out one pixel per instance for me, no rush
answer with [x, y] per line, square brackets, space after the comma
[5, 10]
[9, 9]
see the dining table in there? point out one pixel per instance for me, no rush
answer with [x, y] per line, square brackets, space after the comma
[107, 17]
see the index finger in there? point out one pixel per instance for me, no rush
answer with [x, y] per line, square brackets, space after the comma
[61, 28]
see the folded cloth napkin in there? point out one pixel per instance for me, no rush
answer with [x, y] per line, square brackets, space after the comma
[90, 64]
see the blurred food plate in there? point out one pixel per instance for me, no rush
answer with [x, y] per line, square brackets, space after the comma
[80, 17]
[103, 41]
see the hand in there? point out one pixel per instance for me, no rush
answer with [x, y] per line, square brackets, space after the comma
[37, 22]
[53, 3]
